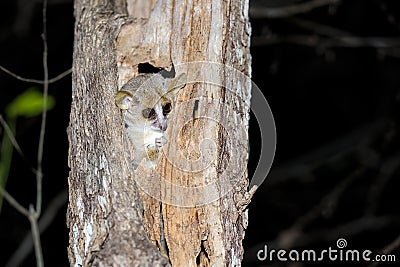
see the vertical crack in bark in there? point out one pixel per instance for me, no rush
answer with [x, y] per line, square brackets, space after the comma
[203, 259]
[163, 242]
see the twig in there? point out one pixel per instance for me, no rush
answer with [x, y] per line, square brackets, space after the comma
[385, 173]
[39, 175]
[330, 153]
[10, 135]
[45, 221]
[33, 219]
[392, 246]
[337, 37]
[33, 213]
[52, 80]
[32, 216]
[328, 201]
[337, 41]
[14, 203]
[291, 235]
[344, 37]
[326, 37]
[14, 142]
[386, 250]
[290, 10]
[318, 28]
[352, 228]
[388, 13]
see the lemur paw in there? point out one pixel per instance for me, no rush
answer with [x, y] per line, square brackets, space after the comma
[152, 152]
[161, 141]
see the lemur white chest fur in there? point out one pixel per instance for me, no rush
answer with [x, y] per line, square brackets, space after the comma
[146, 102]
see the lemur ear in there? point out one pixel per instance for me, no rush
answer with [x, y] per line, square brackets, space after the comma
[177, 84]
[125, 100]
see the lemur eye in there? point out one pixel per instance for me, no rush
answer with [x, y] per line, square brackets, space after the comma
[148, 113]
[167, 109]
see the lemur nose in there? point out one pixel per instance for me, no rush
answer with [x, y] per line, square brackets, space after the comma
[161, 126]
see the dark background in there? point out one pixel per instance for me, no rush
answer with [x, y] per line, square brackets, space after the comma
[332, 78]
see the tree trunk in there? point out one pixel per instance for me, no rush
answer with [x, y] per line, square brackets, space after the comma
[195, 217]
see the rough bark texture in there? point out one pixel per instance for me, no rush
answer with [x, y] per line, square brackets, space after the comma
[108, 215]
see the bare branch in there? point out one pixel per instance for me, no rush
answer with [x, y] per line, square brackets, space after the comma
[352, 228]
[10, 135]
[326, 204]
[59, 76]
[392, 246]
[355, 142]
[52, 80]
[39, 175]
[45, 221]
[318, 41]
[327, 37]
[344, 37]
[382, 179]
[36, 236]
[290, 10]
[388, 249]
[35, 213]
[14, 203]
[14, 141]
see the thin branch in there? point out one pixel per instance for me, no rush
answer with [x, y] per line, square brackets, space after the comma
[352, 228]
[36, 236]
[388, 249]
[15, 143]
[35, 213]
[318, 28]
[39, 175]
[328, 202]
[388, 13]
[11, 135]
[14, 203]
[290, 10]
[291, 235]
[52, 80]
[328, 42]
[386, 172]
[327, 37]
[344, 37]
[392, 246]
[353, 143]
[330, 234]
[45, 221]
[391, 52]
[59, 76]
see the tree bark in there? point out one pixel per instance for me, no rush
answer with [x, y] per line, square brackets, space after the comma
[113, 220]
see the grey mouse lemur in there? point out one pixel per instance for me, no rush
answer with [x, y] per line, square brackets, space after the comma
[146, 102]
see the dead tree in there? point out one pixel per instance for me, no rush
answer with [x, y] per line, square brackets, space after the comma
[112, 220]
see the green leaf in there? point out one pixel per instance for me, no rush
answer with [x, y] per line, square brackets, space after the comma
[28, 104]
